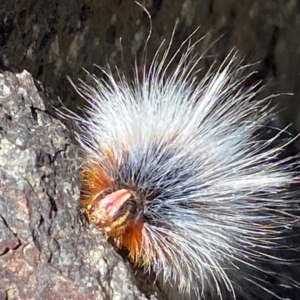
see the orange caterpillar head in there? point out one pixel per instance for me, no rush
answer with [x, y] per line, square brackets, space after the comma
[117, 212]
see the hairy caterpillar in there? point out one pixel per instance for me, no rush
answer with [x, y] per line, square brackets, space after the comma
[176, 171]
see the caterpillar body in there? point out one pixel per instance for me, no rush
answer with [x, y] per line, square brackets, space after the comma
[177, 172]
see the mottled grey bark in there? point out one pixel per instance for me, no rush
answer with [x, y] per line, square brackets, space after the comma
[45, 252]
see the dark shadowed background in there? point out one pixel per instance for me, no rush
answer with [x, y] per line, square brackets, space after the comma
[53, 39]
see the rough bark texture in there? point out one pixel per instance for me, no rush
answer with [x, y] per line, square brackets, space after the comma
[45, 252]
[52, 39]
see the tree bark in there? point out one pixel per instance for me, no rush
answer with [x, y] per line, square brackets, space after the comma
[45, 251]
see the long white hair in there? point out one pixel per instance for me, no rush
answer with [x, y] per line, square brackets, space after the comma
[218, 204]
